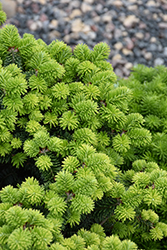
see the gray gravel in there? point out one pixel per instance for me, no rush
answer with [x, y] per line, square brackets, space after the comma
[135, 30]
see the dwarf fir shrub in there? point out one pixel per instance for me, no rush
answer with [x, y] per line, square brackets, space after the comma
[74, 146]
[149, 88]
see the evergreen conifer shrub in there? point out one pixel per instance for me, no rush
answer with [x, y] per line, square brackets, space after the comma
[79, 150]
[149, 88]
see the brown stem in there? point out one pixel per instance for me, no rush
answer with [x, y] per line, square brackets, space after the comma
[104, 220]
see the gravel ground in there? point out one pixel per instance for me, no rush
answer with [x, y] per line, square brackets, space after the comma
[135, 30]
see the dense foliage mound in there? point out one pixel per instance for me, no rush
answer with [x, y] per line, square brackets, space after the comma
[82, 154]
[149, 87]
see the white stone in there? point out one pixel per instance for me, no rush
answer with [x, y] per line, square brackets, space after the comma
[130, 20]
[155, 16]
[97, 19]
[67, 19]
[85, 7]
[116, 57]
[148, 56]
[163, 25]
[165, 51]
[77, 25]
[20, 1]
[158, 61]
[74, 4]
[67, 38]
[9, 7]
[39, 24]
[65, 1]
[139, 35]
[128, 65]
[53, 24]
[75, 12]
[33, 26]
[43, 1]
[132, 7]
[146, 12]
[126, 52]
[118, 46]
[152, 3]
[92, 35]
[108, 36]
[118, 3]
[122, 18]
[153, 39]
[89, 1]
[124, 33]
[164, 17]
[107, 18]
[70, 36]
[54, 35]
[86, 28]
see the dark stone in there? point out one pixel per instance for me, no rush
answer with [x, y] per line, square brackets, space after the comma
[137, 52]
[141, 60]
[152, 47]
[49, 11]
[35, 7]
[44, 37]
[45, 26]
[142, 45]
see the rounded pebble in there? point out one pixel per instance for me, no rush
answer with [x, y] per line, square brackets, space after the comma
[148, 56]
[158, 61]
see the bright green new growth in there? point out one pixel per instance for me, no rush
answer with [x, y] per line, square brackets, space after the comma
[2, 15]
[79, 149]
[24, 228]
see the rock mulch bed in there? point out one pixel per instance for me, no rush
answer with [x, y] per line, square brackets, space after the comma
[136, 30]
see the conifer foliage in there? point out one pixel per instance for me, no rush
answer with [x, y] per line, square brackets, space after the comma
[79, 151]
